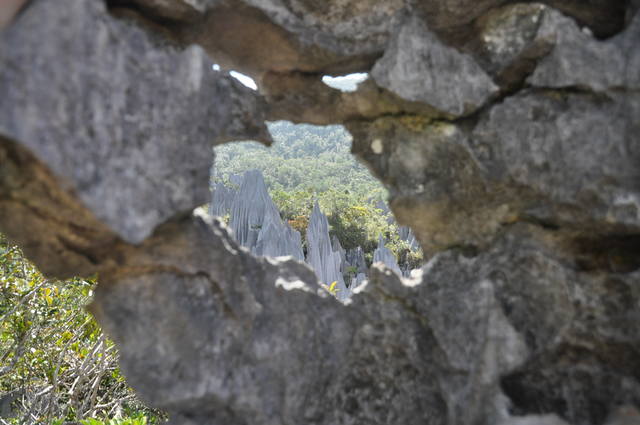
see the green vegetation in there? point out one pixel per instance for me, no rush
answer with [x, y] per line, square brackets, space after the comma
[308, 163]
[56, 365]
[304, 158]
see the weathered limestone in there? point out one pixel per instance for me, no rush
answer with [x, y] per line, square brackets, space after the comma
[577, 60]
[406, 234]
[256, 222]
[278, 239]
[518, 174]
[355, 258]
[418, 67]
[222, 200]
[113, 116]
[321, 256]
[383, 255]
[337, 247]
[514, 347]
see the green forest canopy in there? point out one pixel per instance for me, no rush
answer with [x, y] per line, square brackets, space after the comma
[303, 158]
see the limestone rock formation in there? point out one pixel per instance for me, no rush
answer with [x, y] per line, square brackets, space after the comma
[337, 247]
[515, 162]
[321, 256]
[256, 223]
[357, 280]
[222, 200]
[51, 112]
[432, 73]
[515, 347]
[355, 258]
[277, 239]
[235, 179]
[383, 255]
[407, 235]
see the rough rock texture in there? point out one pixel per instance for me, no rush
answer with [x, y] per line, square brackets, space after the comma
[516, 167]
[406, 234]
[116, 114]
[321, 255]
[356, 281]
[256, 223]
[420, 68]
[384, 255]
[337, 247]
[355, 258]
[577, 60]
[222, 200]
[278, 239]
[517, 342]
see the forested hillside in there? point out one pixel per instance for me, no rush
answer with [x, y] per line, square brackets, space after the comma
[303, 158]
[308, 163]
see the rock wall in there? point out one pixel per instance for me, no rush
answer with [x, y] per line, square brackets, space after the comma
[507, 134]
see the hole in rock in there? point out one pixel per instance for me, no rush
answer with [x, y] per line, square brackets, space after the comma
[244, 79]
[345, 83]
[307, 197]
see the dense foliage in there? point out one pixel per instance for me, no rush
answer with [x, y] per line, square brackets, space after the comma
[304, 158]
[56, 365]
[309, 163]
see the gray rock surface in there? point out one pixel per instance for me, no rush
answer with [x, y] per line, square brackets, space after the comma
[256, 223]
[534, 420]
[595, 135]
[383, 255]
[517, 334]
[278, 239]
[418, 67]
[326, 262]
[527, 311]
[358, 280]
[406, 234]
[235, 179]
[355, 258]
[222, 200]
[115, 114]
[337, 247]
[579, 60]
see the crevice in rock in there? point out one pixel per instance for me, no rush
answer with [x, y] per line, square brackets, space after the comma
[575, 383]
[616, 253]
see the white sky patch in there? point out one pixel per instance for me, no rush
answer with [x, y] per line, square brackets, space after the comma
[244, 79]
[290, 285]
[346, 83]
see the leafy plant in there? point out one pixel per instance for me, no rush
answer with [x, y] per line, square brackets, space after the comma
[56, 364]
[333, 288]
